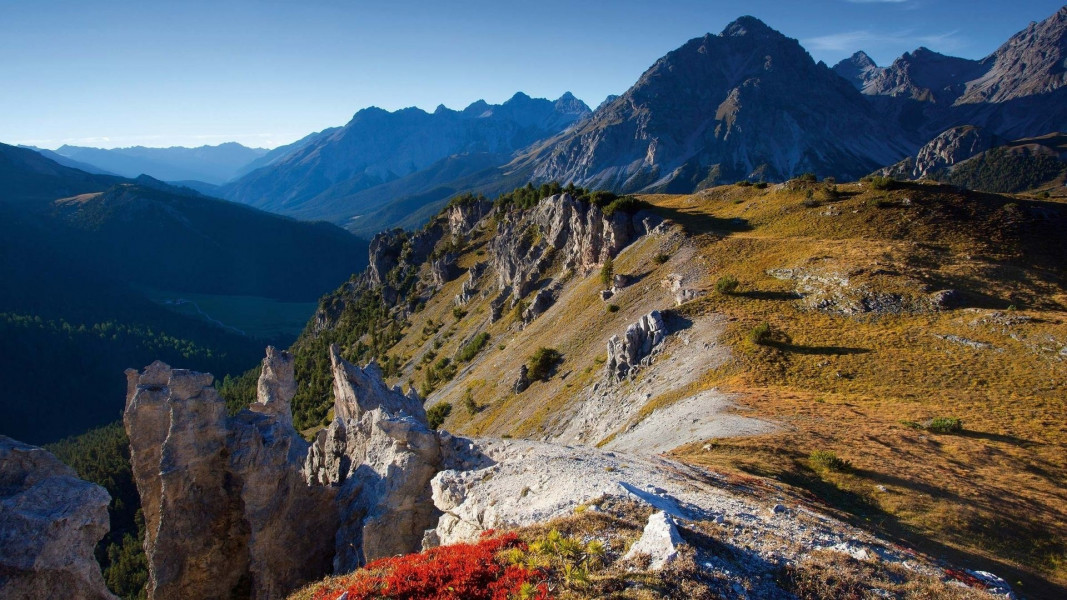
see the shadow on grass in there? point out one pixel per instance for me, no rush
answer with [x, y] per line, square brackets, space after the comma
[820, 350]
[697, 222]
[768, 295]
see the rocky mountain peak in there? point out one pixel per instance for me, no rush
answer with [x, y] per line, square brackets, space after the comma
[859, 69]
[749, 25]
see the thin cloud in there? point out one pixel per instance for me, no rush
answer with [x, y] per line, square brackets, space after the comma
[848, 41]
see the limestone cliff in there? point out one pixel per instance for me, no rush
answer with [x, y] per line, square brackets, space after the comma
[50, 521]
[221, 495]
[242, 506]
[379, 454]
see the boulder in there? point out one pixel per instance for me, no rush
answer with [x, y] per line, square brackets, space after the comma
[659, 541]
[50, 523]
[523, 381]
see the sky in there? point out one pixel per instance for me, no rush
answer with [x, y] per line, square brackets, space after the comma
[114, 73]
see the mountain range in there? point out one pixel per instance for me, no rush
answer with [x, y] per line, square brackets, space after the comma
[209, 164]
[747, 103]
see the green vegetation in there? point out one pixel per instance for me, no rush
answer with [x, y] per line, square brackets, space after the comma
[93, 393]
[761, 334]
[439, 372]
[828, 460]
[102, 456]
[661, 258]
[267, 319]
[437, 414]
[944, 425]
[807, 178]
[472, 348]
[1002, 170]
[469, 403]
[542, 362]
[883, 183]
[727, 284]
[613, 308]
[607, 272]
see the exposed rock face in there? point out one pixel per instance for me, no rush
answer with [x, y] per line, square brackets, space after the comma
[859, 69]
[463, 217]
[466, 291]
[379, 454]
[523, 380]
[639, 342]
[219, 495]
[50, 522]
[384, 254]
[560, 231]
[947, 149]
[443, 270]
[720, 108]
[357, 391]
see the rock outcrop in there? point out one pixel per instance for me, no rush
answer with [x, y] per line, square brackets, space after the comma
[641, 339]
[221, 495]
[560, 232]
[50, 523]
[379, 454]
[952, 146]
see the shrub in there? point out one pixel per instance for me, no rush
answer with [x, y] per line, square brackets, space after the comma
[613, 308]
[661, 258]
[541, 363]
[727, 284]
[472, 348]
[882, 183]
[469, 403]
[828, 461]
[760, 185]
[626, 204]
[437, 414]
[477, 571]
[807, 178]
[760, 334]
[944, 425]
[458, 312]
[810, 201]
[607, 272]
[743, 183]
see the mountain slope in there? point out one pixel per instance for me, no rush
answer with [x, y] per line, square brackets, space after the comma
[210, 164]
[881, 309]
[77, 251]
[720, 108]
[323, 177]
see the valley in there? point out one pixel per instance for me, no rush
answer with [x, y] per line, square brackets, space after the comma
[764, 324]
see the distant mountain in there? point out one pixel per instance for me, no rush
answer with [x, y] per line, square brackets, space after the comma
[859, 68]
[210, 164]
[76, 252]
[67, 162]
[973, 158]
[29, 177]
[1017, 91]
[323, 177]
[747, 103]
[281, 152]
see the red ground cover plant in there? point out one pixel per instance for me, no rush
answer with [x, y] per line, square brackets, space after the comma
[460, 571]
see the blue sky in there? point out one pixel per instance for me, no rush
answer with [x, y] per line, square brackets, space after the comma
[118, 73]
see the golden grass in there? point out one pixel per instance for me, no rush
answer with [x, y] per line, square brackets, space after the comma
[993, 496]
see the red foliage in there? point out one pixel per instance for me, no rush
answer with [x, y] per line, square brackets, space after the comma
[460, 571]
[966, 578]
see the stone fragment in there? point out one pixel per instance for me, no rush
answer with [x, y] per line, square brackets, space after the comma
[50, 523]
[660, 541]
